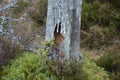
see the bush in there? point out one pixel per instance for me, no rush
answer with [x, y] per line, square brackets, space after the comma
[115, 76]
[111, 62]
[21, 5]
[93, 71]
[68, 71]
[99, 38]
[106, 18]
[97, 13]
[31, 66]
[9, 50]
[39, 15]
[28, 67]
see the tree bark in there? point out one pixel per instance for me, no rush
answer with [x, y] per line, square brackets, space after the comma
[68, 12]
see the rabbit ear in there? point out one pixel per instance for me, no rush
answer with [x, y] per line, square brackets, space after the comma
[59, 31]
[55, 31]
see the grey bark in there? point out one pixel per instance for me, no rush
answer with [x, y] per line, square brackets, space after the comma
[68, 12]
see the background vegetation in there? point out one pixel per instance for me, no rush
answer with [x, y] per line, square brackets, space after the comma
[100, 43]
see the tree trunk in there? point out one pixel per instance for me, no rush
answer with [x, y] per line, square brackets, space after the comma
[68, 12]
